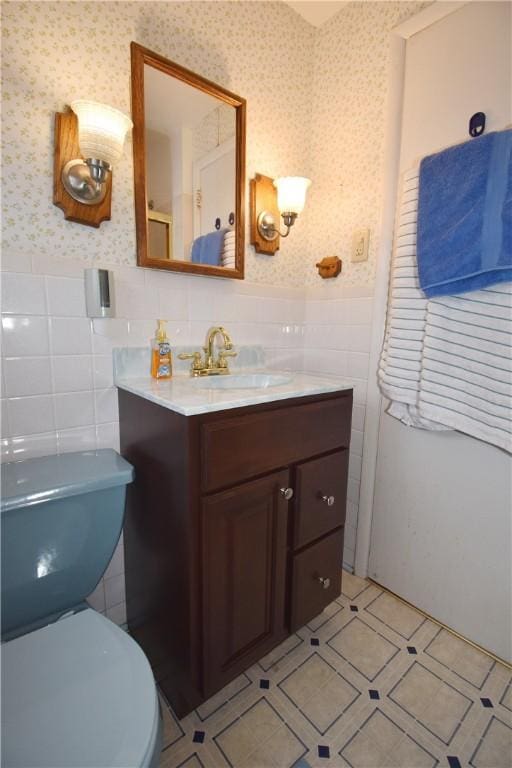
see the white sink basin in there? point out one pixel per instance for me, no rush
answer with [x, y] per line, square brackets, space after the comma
[243, 381]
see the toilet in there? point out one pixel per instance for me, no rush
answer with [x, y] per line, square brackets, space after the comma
[76, 689]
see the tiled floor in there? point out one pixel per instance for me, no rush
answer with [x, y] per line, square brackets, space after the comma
[370, 683]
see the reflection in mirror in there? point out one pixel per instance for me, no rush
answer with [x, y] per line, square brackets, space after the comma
[189, 138]
[191, 164]
[160, 237]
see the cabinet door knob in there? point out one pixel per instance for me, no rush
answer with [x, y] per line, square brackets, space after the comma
[287, 493]
[329, 500]
[326, 583]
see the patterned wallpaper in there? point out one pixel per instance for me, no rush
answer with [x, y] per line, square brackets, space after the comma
[351, 61]
[54, 52]
[315, 98]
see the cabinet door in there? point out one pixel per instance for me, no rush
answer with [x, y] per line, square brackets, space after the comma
[244, 534]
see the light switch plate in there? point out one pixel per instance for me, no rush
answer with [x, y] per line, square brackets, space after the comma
[360, 242]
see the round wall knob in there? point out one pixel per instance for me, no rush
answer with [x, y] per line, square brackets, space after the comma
[326, 583]
[287, 493]
[329, 500]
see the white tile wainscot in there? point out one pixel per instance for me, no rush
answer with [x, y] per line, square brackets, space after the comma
[56, 383]
[337, 333]
[57, 375]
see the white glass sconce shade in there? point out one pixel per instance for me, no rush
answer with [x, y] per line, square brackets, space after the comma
[101, 130]
[101, 134]
[291, 193]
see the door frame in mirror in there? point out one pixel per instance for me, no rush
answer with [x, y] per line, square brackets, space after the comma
[139, 57]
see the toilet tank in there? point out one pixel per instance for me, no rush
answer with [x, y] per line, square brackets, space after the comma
[61, 518]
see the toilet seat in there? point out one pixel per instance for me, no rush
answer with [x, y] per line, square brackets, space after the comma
[78, 693]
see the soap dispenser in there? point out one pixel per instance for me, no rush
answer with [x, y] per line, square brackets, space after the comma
[161, 357]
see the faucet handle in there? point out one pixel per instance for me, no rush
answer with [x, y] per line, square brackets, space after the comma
[223, 363]
[194, 356]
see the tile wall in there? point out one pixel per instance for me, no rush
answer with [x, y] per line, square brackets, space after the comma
[337, 334]
[56, 382]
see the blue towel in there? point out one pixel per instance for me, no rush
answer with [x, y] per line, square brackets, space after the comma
[212, 246]
[196, 250]
[465, 216]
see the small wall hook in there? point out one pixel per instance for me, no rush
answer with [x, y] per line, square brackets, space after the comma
[329, 267]
[477, 124]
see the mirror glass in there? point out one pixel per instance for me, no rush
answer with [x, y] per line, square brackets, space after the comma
[189, 153]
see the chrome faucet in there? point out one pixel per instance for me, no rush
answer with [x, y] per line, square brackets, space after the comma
[208, 366]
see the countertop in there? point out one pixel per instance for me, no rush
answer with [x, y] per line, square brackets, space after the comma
[186, 395]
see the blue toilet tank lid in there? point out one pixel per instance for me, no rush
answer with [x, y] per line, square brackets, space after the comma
[45, 478]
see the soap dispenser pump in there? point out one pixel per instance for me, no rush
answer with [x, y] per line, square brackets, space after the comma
[161, 357]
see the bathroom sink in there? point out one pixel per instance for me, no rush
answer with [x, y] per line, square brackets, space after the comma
[243, 381]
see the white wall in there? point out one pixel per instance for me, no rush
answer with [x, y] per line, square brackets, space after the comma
[351, 64]
[441, 531]
[315, 107]
[159, 170]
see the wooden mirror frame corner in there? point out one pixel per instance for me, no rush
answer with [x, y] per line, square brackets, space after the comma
[139, 57]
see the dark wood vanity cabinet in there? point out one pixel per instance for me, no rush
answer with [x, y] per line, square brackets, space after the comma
[221, 565]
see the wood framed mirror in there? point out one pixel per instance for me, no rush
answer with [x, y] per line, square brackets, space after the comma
[189, 169]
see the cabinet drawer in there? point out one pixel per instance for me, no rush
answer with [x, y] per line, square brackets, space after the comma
[321, 494]
[235, 449]
[309, 594]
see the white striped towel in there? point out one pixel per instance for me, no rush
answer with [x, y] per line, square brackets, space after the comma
[400, 363]
[229, 249]
[466, 378]
[446, 363]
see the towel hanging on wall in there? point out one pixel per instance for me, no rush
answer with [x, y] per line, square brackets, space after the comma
[465, 216]
[447, 362]
[466, 379]
[400, 362]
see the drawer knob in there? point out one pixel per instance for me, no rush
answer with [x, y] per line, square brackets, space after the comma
[329, 500]
[287, 493]
[326, 583]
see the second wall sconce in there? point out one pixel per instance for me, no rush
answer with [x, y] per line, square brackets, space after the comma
[89, 141]
[285, 196]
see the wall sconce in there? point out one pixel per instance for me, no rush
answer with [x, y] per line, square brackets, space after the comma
[269, 198]
[82, 187]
